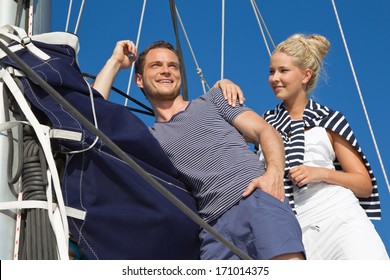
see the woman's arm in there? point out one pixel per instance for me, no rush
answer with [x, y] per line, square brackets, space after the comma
[354, 175]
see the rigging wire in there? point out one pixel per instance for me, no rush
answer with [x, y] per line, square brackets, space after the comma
[360, 94]
[223, 39]
[265, 26]
[136, 45]
[261, 23]
[79, 17]
[184, 86]
[198, 69]
[68, 17]
[19, 11]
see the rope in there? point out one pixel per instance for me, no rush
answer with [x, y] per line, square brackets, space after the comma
[30, 18]
[17, 114]
[148, 111]
[136, 45]
[261, 22]
[360, 94]
[58, 219]
[223, 39]
[37, 237]
[198, 69]
[94, 120]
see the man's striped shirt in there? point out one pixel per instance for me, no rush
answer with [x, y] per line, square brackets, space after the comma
[211, 156]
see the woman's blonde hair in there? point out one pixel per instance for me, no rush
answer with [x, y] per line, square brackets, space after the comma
[308, 51]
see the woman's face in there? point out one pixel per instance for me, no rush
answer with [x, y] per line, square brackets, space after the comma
[287, 81]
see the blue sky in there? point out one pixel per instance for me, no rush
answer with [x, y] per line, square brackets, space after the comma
[246, 58]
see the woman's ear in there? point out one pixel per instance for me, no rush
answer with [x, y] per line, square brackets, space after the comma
[307, 75]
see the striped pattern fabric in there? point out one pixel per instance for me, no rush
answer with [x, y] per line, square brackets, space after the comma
[211, 156]
[292, 132]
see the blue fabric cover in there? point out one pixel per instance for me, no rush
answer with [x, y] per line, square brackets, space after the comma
[126, 217]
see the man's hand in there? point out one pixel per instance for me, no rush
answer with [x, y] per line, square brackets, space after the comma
[125, 53]
[270, 182]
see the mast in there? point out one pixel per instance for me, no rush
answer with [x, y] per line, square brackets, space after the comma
[32, 15]
[35, 17]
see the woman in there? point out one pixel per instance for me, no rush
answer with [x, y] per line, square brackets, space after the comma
[326, 199]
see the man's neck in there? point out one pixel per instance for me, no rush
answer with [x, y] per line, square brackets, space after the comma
[165, 109]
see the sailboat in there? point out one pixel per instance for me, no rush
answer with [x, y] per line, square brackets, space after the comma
[11, 244]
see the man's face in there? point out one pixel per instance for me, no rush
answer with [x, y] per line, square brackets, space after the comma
[161, 78]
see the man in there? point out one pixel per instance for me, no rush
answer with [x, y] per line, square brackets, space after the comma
[205, 140]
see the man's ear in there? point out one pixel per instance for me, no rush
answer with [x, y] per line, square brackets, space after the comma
[138, 80]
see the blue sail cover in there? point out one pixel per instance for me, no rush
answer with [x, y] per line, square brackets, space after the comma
[126, 218]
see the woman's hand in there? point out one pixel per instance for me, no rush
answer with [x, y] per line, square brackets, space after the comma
[231, 92]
